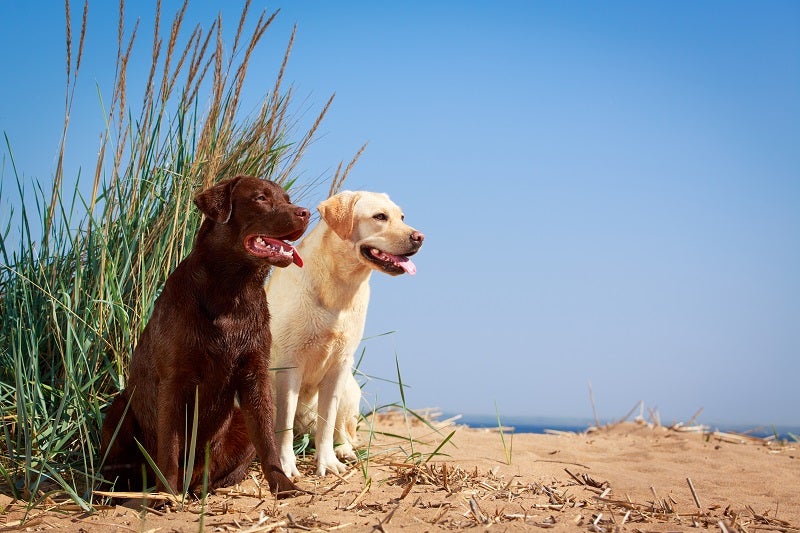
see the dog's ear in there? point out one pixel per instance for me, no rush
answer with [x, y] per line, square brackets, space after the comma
[337, 212]
[216, 202]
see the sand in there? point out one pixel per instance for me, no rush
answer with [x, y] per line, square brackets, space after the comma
[631, 476]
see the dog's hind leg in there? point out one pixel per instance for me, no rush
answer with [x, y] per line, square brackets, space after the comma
[345, 436]
[230, 455]
[331, 389]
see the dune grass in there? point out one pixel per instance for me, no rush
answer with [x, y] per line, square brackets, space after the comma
[508, 448]
[80, 273]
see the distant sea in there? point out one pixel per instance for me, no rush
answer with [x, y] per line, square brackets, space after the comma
[524, 424]
[541, 424]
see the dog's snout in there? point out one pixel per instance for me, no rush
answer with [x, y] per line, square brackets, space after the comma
[417, 237]
[302, 212]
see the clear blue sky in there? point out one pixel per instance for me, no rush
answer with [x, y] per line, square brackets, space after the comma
[610, 190]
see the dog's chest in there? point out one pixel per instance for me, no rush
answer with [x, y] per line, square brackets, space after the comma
[331, 337]
[236, 334]
[232, 325]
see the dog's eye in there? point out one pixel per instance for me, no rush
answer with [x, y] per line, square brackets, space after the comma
[380, 216]
[261, 198]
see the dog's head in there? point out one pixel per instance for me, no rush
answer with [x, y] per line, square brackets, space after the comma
[374, 225]
[258, 215]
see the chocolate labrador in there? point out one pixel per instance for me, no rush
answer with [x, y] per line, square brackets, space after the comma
[209, 335]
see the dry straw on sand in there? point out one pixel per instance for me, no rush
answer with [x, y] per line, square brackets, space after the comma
[587, 481]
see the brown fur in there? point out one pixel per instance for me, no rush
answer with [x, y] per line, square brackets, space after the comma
[209, 332]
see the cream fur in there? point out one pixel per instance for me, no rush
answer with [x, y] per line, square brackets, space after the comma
[317, 317]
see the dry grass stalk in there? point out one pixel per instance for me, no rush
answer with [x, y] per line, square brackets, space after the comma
[242, 19]
[594, 407]
[573, 476]
[191, 45]
[155, 54]
[357, 499]
[476, 512]
[177, 22]
[339, 177]
[305, 141]
[69, 96]
[633, 410]
[272, 106]
[410, 485]
[694, 493]
[192, 85]
[258, 33]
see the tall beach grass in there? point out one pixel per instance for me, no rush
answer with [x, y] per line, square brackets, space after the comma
[80, 273]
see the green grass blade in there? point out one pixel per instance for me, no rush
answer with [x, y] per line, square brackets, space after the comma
[436, 452]
[188, 468]
[155, 468]
[507, 450]
[67, 488]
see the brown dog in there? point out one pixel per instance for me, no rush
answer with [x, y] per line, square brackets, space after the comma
[209, 332]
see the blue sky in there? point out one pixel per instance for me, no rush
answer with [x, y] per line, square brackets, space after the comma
[610, 190]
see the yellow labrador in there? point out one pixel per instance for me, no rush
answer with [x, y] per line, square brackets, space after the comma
[317, 317]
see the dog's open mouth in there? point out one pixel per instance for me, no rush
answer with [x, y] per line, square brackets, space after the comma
[281, 251]
[390, 263]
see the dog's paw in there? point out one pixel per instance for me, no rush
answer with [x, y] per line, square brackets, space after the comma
[289, 464]
[327, 462]
[345, 452]
[281, 486]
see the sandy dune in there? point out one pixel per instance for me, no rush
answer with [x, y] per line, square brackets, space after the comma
[630, 476]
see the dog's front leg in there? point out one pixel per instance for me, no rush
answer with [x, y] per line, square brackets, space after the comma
[257, 408]
[287, 393]
[330, 392]
[170, 419]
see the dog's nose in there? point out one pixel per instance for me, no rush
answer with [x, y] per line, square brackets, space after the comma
[417, 237]
[302, 212]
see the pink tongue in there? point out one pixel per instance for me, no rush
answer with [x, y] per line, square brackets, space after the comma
[296, 259]
[406, 264]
